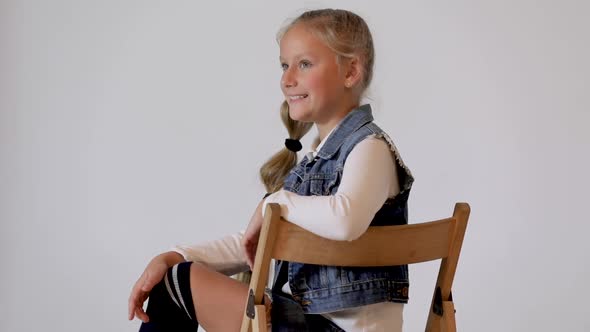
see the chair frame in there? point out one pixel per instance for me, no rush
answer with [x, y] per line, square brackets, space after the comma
[414, 243]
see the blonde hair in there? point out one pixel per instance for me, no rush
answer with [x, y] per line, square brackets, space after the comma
[347, 35]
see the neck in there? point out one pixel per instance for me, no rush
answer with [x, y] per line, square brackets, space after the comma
[326, 126]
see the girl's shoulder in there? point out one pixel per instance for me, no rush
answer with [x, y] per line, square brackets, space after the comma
[369, 129]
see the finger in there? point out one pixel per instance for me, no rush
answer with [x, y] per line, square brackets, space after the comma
[245, 249]
[136, 301]
[249, 257]
[133, 299]
[131, 311]
[142, 315]
[130, 308]
[245, 243]
[251, 261]
[248, 260]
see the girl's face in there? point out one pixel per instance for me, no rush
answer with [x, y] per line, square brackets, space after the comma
[312, 81]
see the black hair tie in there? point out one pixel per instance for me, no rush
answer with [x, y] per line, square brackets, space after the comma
[293, 144]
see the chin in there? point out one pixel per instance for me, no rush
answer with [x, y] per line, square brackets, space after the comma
[299, 114]
[300, 117]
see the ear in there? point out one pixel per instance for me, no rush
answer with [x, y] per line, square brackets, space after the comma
[354, 72]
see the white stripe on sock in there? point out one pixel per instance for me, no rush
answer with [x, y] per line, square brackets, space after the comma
[170, 290]
[175, 280]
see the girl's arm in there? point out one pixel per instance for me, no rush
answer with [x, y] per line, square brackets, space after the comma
[223, 255]
[368, 179]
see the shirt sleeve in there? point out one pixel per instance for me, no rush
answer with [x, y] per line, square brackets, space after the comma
[223, 255]
[369, 177]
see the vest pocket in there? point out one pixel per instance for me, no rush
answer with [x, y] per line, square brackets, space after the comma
[323, 184]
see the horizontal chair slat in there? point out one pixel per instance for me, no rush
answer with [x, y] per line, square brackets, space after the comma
[406, 244]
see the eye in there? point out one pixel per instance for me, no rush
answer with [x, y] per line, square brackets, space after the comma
[304, 64]
[284, 66]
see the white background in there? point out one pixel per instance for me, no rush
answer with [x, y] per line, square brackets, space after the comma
[129, 126]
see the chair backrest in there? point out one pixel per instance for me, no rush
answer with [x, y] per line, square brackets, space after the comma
[378, 246]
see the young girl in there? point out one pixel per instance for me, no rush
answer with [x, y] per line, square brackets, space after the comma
[352, 178]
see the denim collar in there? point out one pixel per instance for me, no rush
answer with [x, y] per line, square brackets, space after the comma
[357, 118]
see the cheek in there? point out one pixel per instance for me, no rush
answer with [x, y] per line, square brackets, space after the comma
[325, 83]
[319, 84]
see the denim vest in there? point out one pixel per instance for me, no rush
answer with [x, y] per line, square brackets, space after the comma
[318, 288]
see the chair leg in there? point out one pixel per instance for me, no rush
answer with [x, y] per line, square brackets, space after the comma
[448, 320]
[259, 321]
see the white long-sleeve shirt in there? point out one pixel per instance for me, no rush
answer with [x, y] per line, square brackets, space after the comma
[369, 177]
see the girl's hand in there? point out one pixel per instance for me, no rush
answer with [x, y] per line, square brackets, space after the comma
[250, 239]
[154, 272]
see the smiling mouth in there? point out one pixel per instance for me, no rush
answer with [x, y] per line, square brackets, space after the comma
[297, 97]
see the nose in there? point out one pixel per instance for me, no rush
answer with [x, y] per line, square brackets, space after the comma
[288, 80]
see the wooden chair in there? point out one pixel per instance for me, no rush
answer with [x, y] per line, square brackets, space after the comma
[379, 246]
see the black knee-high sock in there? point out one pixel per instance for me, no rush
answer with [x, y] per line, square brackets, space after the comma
[170, 305]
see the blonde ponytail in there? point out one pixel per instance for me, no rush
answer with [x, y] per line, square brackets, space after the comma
[276, 169]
